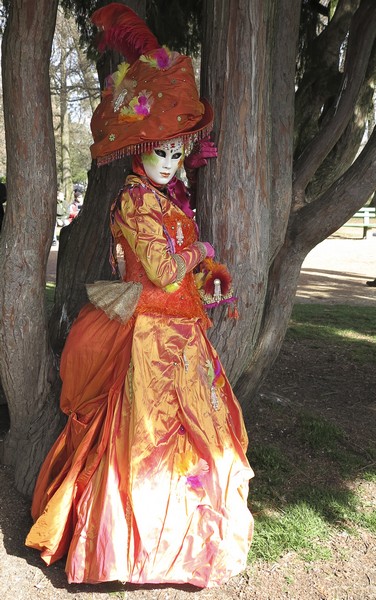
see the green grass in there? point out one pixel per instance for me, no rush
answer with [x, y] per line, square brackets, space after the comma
[337, 316]
[318, 432]
[305, 464]
[272, 469]
[344, 326]
[291, 513]
[338, 507]
[50, 295]
[50, 291]
[298, 528]
[270, 460]
[367, 521]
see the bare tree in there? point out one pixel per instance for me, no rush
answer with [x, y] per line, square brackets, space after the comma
[75, 94]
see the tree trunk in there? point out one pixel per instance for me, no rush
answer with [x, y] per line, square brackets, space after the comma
[27, 367]
[245, 212]
[310, 224]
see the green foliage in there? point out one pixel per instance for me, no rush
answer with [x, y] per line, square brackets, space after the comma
[176, 24]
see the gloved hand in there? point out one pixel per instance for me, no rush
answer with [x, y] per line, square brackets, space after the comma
[210, 252]
[202, 150]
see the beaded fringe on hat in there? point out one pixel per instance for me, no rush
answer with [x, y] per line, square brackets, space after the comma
[147, 146]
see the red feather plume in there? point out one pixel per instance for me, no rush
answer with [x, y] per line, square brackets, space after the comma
[215, 270]
[123, 31]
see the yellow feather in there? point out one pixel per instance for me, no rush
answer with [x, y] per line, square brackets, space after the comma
[119, 75]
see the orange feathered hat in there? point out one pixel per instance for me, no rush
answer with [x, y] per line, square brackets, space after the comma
[151, 98]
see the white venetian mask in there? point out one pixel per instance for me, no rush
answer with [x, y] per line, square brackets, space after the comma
[162, 163]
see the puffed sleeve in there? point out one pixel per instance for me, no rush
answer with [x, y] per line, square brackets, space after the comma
[139, 219]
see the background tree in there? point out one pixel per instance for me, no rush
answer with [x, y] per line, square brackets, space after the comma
[75, 94]
[65, 165]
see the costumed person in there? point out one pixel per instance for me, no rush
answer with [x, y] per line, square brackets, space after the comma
[74, 208]
[148, 482]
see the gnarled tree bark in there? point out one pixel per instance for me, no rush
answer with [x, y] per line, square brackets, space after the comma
[27, 366]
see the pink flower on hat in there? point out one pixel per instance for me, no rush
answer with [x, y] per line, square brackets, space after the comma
[138, 108]
[163, 58]
[143, 106]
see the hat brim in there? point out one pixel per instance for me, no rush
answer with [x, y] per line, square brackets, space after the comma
[199, 131]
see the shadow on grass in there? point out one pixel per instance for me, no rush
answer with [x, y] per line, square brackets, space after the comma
[329, 285]
[350, 327]
[313, 446]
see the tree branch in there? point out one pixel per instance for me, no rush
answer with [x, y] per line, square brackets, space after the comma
[321, 78]
[322, 10]
[361, 39]
[332, 36]
[341, 157]
[316, 221]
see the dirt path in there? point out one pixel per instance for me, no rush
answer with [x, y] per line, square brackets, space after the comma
[336, 271]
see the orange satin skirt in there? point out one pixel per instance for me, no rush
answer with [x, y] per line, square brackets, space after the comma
[148, 481]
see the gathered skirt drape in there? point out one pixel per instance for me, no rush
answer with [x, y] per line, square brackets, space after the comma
[148, 481]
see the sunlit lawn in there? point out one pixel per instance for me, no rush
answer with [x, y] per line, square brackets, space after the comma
[301, 494]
